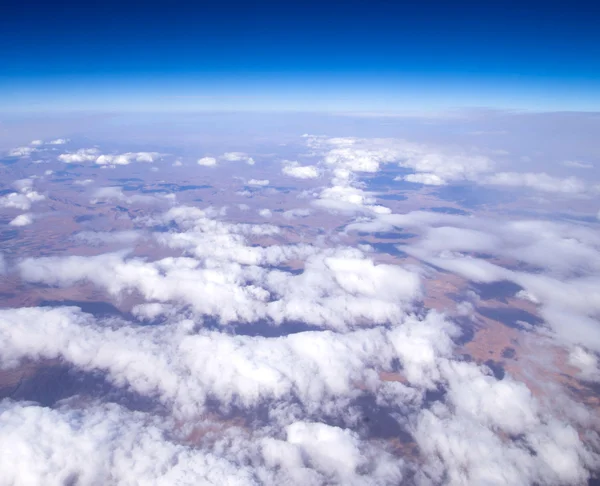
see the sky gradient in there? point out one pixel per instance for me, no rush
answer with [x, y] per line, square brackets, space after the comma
[357, 55]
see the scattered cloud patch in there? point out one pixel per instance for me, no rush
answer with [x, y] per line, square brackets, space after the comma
[22, 220]
[80, 156]
[237, 157]
[577, 164]
[127, 158]
[109, 160]
[424, 178]
[84, 182]
[294, 169]
[258, 182]
[21, 151]
[207, 161]
[24, 198]
[296, 213]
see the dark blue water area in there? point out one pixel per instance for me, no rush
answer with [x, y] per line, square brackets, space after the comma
[66, 173]
[163, 188]
[97, 309]
[368, 418]
[447, 210]
[509, 316]
[8, 235]
[285, 189]
[154, 191]
[388, 235]
[83, 218]
[268, 329]
[183, 187]
[132, 187]
[254, 189]
[389, 248]
[473, 196]
[392, 197]
[128, 179]
[49, 384]
[379, 422]
[4, 192]
[501, 290]
[165, 228]
[385, 181]
[9, 160]
[259, 328]
[467, 330]
[283, 268]
[497, 368]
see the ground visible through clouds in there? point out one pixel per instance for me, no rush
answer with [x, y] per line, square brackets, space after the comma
[229, 299]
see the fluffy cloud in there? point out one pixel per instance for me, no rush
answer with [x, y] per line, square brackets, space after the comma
[106, 444]
[345, 192]
[207, 161]
[185, 367]
[115, 193]
[24, 198]
[22, 220]
[84, 182]
[296, 213]
[336, 291]
[260, 356]
[97, 238]
[339, 454]
[338, 288]
[94, 155]
[470, 453]
[127, 158]
[586, 362]
[21, 151]
[367, 155]
[434, 165]
[344, 196]
[427, 179]
[109, 444]
[566, 257]
[463, 439]
[293, 169]
[258, 182]
[237, 157]
[81, 155]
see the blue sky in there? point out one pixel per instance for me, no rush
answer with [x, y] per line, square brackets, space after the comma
[315, 56]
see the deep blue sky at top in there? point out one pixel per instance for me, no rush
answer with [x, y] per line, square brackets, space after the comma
[330, 55]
